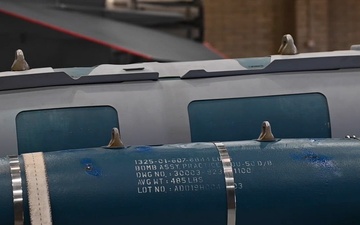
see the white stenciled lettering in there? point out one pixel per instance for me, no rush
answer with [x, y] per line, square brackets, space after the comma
[194, 180]
[143, 174]
[204, 159]
[145, 167]
[158, 181]
[143, 190]
[159, 174]
[238, 186]
[155, 181]
[176, 174]
[171, 166]
[192, 166]
[186, 173]
[201, 165]
[197, 187]
[246, 170]
[144, 182]
[214, 171]
[235, 164]
[144, 161]
[158, 189]
[258, 163]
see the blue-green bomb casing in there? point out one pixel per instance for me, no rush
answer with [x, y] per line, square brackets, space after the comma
[304, 181]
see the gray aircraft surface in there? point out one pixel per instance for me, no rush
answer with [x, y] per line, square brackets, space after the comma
[309, 95]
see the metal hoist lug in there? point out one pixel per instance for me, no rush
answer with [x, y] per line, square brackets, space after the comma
[266, 135]
[115, 141]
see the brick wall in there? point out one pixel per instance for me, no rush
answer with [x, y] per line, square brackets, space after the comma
[232, 27]
[344, 28]
[312, 25]
[245, 28]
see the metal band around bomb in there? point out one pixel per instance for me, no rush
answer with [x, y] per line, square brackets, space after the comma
[16, 182]
[37, 188]
[229, 182]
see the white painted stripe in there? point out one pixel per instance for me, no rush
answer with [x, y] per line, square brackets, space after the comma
[37, 187]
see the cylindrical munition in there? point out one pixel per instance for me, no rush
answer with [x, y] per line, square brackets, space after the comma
[304, 181]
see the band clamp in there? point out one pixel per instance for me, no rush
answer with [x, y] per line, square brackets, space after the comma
[229, 182]
[16, 182]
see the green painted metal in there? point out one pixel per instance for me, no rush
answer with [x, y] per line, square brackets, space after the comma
[65, 128]
[76, 72]
[291, 116]
[254, 63]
